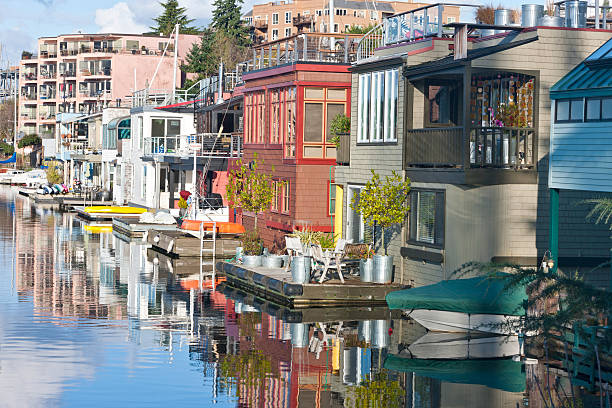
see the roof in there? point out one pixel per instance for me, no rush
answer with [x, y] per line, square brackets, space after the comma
[248, 13]
[363, 5]
[592, 77]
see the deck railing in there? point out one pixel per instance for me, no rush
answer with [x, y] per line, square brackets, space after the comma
[435, 147]
[227, 145]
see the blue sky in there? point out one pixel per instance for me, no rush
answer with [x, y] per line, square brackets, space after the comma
[23, 21]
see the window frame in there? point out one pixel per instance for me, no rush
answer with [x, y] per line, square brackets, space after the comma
[274, 204]
[569, 112]
[377, 106]
[274, 18]
[439, 220]
[586, 104]
[285, 194]
[288, 17]
[459, 105]
[325, 101]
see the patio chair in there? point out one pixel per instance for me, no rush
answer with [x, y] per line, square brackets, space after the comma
[294, 247]
[352, 254]
[327, 261]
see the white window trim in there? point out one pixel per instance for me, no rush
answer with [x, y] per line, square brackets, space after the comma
[377, 106]
[274, 18]
[287, 17]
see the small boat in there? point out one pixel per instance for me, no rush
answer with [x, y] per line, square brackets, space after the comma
[191, 283]
[222, 227]
[98, 229]
[499, 373]
[480, 304]
[463, 346]
[111, 209]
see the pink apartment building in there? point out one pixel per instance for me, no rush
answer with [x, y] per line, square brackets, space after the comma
[84, 72]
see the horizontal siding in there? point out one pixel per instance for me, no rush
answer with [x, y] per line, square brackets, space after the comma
[581, 156]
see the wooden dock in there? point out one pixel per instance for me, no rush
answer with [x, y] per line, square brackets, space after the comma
[309, 315]
[102, 216]
[276, 285]
[181, 244]
[69, 202]
[133, 228]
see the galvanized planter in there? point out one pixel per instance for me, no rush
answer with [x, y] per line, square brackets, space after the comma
[383, 268]
[251, 260]
[300, 269]
[239, 253]
[272, 261]
[380, 334]
[366, 269]
[299, 335]
[364, 331]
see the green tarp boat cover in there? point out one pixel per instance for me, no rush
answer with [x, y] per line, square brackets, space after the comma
[474, 295]
[502, 374]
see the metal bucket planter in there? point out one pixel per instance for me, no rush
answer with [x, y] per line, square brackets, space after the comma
[239, 253]
[300, 269]
[299, 335]
[380, 334]
[251, 260]
[366, 269]
[272, 261]
[364, 331]
[285, 259]
[383, 268]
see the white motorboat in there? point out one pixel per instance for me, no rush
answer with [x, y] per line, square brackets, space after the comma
[6, 178]
[462, 346]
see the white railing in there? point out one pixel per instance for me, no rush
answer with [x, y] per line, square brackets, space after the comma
[227, 145]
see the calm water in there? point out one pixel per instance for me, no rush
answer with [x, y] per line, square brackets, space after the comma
[87, 319]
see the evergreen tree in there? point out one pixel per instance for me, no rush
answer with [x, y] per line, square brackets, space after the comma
[172, 15]
[202, 58]
[227, 19]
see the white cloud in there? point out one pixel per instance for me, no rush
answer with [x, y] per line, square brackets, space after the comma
[118, 19]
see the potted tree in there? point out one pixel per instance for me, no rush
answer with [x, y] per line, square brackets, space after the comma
[250, 188]
[252, 247]
[383, 203]
[366, 265]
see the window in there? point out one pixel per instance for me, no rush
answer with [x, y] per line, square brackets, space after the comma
[332, 199]
[327, 12]
[319, 12]
[450, 19]
[285, 187]
[346, 27]
[288, 17]
[274, 34]
[288, 32]
[274, 18]
[254, 117]
[289, 122]
[164, 134]
[427, 218]
[321, 106]
[335, 28]
[569, 110]
[373, 15]
[275, 196]
[377, 106]
[249, 20]
[598, 109]
[442, 104]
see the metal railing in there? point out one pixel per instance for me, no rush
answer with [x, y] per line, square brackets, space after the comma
[226, 146]
[505, 147]
[434, 147]
[416, 24]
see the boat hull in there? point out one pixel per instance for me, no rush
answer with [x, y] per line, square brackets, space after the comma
[109, 209]
[437, 345]
[457, 322]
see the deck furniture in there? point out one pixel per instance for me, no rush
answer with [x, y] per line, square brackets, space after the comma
[327, 260]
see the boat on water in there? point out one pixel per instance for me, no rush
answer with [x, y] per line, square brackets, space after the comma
[222, 226]
[113, 209]
[463, 346]
[481, 304]
[504, 374]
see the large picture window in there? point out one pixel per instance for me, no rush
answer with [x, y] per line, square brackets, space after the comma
[321, 106]
[377, 106]
[427, 218]
[254, 117]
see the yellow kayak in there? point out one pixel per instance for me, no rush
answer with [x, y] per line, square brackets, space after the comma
[110, 209]
[98, 229]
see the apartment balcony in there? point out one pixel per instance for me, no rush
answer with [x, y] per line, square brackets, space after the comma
[51, 76]
[47, 55]
[261, 25]
[105, 72]
[205, 145]
[29, 77]
[472, 155]
[30, 97]
[301, 21]
[51, 96]
[68, 53]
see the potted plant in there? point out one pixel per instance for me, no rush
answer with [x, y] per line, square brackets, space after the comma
[383, 203]
[340, 125]
[252, 248]
[366, 265]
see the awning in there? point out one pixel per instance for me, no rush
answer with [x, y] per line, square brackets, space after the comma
[122, 126]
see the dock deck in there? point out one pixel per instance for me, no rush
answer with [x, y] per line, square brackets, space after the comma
[276, 285]
[102, 216]
[133, 228]
[181, 244]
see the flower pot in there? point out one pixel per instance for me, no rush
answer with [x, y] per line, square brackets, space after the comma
[285, 260]
[364, 331]
[380, 334]
[366, 269]
[299, 335]
[251, 260]
[383, 268]
[239, 252]
[300, 269]
[182, 212]
[273, 261]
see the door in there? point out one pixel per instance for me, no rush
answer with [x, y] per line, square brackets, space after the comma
[354, 223]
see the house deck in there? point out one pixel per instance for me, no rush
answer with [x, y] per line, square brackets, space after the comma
[178, 243]
[276, 285]
[133, 228]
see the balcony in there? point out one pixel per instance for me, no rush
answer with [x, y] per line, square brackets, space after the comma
[29, 76]
[300, 21]
[473, 155]
[205, 145]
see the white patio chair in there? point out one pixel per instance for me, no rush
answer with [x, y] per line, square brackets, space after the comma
[294, 248]
[327, 261]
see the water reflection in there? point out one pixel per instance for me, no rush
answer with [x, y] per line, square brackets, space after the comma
[91, 317]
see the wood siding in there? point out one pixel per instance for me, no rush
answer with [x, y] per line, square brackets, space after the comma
[581, 156]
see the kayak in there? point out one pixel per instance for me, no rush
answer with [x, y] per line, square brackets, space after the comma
[97, 229]
[110, 209]
[222, 227]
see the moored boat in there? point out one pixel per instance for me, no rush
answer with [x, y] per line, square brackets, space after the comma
[480, 304]
[112, 209]
[222, 227]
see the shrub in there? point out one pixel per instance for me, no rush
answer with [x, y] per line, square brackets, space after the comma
[252, 244]
[340, 125]
[54, 176]
[29, 140]
[7, 148]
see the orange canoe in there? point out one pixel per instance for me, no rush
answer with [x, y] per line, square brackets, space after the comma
[222, 227]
